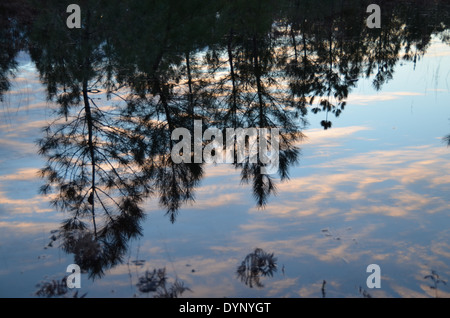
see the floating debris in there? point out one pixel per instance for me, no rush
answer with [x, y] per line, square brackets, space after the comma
[323, 288]
[338, 236]
[140, 262]
[364, 293]
[436, 280]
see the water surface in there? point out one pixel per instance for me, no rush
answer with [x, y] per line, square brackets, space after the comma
[363, 180]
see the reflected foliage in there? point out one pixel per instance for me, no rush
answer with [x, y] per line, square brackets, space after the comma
[52, 288]
[364, 293]
[15, 19]
[256, 265]
[446, 139]
[156, 282]
[435, 281]
[135, 71]
[55, 288]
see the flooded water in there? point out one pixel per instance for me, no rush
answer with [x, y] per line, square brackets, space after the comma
[87, 176]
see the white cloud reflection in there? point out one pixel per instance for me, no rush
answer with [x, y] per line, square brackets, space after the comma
[390, 182]
[365, 99]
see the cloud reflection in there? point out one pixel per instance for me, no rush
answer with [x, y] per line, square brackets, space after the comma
[389, 182]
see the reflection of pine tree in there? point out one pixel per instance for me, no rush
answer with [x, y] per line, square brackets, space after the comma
[173, 183]
[319, 69]
[256, 265]
[14, 21]
[91, 170]
[251, 94]
[154, 115]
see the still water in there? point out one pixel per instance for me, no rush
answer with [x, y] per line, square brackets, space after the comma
[364, 162]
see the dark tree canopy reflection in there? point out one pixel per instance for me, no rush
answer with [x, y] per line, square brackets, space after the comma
[14, 20]
[137, 70]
